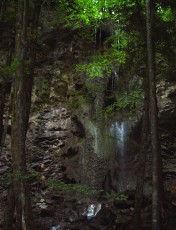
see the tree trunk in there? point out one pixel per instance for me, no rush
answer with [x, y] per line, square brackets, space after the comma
[24, 219]
[4, 122]
[22, 89]
[5, 88]
[156, 153]
[2, 10]
[142, 159]
[32, 50]
[9, 213]
[2, 103]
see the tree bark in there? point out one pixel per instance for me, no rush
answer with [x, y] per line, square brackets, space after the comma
[23, 209]
[22, 89]
[4, 91]
[142, 160]
[156, 153]
[32, 49]
[2, 15]
[2, 103]
[9, 213]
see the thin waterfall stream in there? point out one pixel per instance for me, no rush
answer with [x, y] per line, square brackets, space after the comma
[117, 139]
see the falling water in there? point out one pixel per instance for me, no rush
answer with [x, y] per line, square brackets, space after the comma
[121, 156]
[114, 79]
[117, 156]
[92, 210]
[120, 133]
[117, 132]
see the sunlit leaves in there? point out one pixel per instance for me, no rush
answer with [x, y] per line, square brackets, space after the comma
[102, 64]
[88, 12]
[166, 14]
[98, 67]
[128, 100]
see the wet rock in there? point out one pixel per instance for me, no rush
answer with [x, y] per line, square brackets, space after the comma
[104, 217]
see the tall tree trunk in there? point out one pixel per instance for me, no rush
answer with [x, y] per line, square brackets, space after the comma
[22, 89]
[5, 101]
[2, 10]
[23, 209]
[142, 159]
[9, 212]
[2, 103]
[21, 96]
[32, 49]
[156, 153]
[5, 88]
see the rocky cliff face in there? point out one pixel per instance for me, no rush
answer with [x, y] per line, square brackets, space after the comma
[167, 115]
[69, 140]
[57, 87]
[84, 152]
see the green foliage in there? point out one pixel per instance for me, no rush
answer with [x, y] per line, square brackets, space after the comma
[128, 100]
[54, 184]
[98, 67]
[38, 121]
[78, 189]
[9, 14]
[9, 70]
[78, 98]
[8, 179]
[82, 13]
[77, 102]
[42, 90]
[101, 65]
[166, 14]
[92, 87]
[114, 196]
[82, 190]
[58, 14]
[18, 175]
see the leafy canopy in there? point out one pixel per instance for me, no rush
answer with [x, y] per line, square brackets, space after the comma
[88, 12]
[101, 65]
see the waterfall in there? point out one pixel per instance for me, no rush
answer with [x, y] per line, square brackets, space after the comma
[120, 129]
[116, 155]
[114, 78]
[92, 210]
[117, 133]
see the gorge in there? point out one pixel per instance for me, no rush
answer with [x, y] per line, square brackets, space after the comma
[84, 132]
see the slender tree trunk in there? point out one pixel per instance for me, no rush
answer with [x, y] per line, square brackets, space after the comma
[22, 89]
[32, 50]
[4, 122]
[4, 91]
[142, 159]
[156, 153]
[19, 192]
[23, 209]
[2, 9]
[2, 103]
[9, 212]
